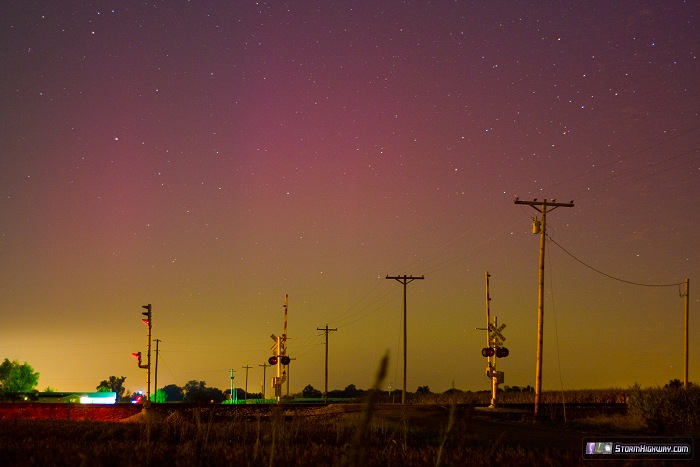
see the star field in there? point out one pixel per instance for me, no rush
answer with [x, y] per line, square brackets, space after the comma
[211, 157]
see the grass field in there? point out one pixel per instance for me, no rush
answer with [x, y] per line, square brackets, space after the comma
[371, 433]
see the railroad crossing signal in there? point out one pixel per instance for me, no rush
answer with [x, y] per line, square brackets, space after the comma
[496, 342]
[496, 332]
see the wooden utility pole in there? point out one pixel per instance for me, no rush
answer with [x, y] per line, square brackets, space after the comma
[264, 365]
[155, 382]
[540, 227]
[233, 399]
[245, 397]
[325, 391]
[404, 280]
[289, 366]
[686, 307]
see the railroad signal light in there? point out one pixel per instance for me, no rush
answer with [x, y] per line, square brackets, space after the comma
[272, 360]
[137, 355]
[147, 314]
[285, 360]
[488, 352]
[502, 352]
[138, 398]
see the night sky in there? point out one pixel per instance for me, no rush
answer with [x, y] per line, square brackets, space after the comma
[209, 157]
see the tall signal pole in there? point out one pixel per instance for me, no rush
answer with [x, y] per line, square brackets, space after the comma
[540, 227]
[148, 321]
[404, 280]
[246, 381]
[325, 391]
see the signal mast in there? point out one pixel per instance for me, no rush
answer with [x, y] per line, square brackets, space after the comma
[494, 348]
[148, 321]
[280, 357]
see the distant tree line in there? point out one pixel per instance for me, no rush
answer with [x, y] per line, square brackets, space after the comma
[18, 381]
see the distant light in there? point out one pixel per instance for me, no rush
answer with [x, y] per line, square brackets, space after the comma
[99, 398]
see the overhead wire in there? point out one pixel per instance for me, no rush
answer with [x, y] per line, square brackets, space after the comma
[631, 155]
[675, 284]
[434, 263]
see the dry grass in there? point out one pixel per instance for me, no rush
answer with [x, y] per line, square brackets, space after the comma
[369, 434]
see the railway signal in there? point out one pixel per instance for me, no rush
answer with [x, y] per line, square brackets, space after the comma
[280, 357]
[494, 347]
[148, 321]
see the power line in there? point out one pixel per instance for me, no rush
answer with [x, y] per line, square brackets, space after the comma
[629, 156]
[608, 275]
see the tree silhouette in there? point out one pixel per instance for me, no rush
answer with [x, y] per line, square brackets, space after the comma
[675, 384]
[17, 377]
[309, 392]
[173, 393]
[113, 384]
[198, 392]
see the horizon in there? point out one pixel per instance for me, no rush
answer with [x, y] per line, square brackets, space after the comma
[210, 159]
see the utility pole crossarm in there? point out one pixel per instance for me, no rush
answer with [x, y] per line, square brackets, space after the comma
[544, 203]
[405, 279]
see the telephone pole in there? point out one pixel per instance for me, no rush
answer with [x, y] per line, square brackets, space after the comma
[288, 373]
[404, 280]
[327, 330]
[264, 365]
[155, 383]
[246, 381]
[540, 227]
[686, 307]
[234, 400]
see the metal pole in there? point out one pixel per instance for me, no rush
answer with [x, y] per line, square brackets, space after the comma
[494, 372]
[148, 363]
[488, 311]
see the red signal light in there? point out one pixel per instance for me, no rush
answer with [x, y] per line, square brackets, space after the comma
[272, 360]
[136, 355]
[502, 352]
[488, 352]
[285, 360]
